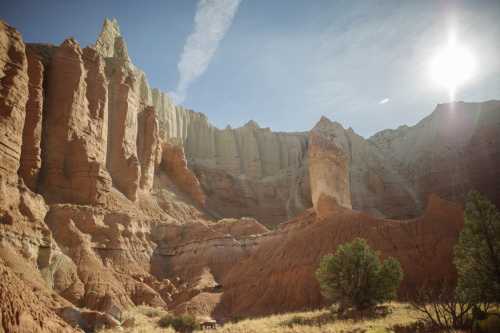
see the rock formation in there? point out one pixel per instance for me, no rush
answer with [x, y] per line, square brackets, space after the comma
[111, 196]
[74, 146]
[329, 163]
[453, 150]
[280, 273]
[175, 166]
[31, 160]
[13, 98]
[247, 171]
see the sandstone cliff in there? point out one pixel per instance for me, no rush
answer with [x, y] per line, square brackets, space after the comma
[393, 173]
[247, 171]
[78, 128]
[453, 150]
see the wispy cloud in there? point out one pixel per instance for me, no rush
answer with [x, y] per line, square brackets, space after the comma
[212, 20]
[384, 101]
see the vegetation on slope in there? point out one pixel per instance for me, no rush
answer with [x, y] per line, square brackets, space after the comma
[355, 277]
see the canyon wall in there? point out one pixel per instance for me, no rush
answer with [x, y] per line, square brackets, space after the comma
[450, 152]
[388, 175]
[247, 171]
[80, 156]
[392, 174]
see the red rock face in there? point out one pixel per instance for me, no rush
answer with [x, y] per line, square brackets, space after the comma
[32, 133]
[279, 276]
[21, 309]
[74, 157]
[148, 146]
[175, 165]
[270, 201]
[97, 99]
[122, 162]
[13, 97]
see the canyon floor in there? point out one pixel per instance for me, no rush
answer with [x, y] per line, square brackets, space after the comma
[388, 318]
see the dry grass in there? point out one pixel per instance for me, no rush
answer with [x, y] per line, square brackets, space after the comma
[142, 319]
[322, 321]
[397, 315]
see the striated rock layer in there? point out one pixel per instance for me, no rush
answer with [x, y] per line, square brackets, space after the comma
[453, 150]
[80, 233]
[247, 171]
[13, 98]
[279, 276]
[73, 168]
[31, 160]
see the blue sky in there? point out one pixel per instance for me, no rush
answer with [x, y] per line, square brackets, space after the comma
[284, 63]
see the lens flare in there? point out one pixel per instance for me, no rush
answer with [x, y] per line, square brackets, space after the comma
[452, 66]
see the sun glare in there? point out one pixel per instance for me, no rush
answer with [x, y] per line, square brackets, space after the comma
[452, 66]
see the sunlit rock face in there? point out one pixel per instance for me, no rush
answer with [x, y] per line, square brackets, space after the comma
[173, 162]
[13, 97]
[247, 171]
[75, 229]
[31, 160]
[452, 151]
[329, 163]
[353, 173]
[75, 143]
[393, 173]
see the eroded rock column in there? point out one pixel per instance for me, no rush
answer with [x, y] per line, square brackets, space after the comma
[329, 166]
[74, 154]
[148, 149]
[122, 161]
[13, 97]
[32, 133]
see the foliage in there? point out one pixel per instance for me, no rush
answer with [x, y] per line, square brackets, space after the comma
[355, 277]
[183, 323]
[149, 311]
[441, 308]
[477, 254]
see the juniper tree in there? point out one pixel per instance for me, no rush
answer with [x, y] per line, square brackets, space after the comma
[355, 277]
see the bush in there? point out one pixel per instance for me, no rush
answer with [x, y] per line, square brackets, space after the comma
[150, 311]
[477, 254]
[183, 323]
[441, 308]
[355, 277]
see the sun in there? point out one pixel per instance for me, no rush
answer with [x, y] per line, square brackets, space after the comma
[452, 66]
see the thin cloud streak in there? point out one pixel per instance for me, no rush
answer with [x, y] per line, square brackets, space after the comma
[212, 20]
[384, 101]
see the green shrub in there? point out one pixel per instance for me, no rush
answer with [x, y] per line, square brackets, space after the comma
[477, 254]
[355, 277]
[182, 324]
[150, 311]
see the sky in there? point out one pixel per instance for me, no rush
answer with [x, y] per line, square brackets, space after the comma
[285, 63]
